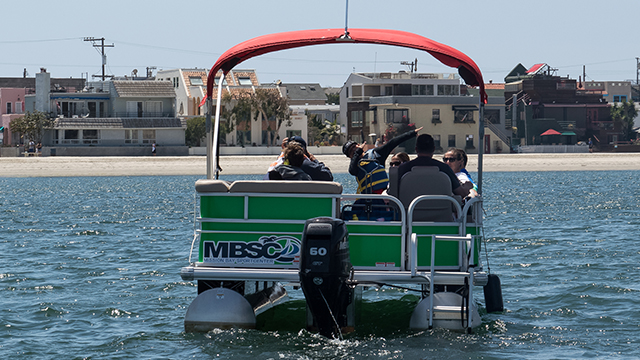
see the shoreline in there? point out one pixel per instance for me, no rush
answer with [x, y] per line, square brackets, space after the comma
[246, 165]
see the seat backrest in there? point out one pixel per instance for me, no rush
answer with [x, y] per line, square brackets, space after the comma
[426, 180]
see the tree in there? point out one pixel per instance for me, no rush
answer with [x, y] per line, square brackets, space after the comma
[32, 125]
[272, 107]
[624, 115]
[333, 98]
[196, 131]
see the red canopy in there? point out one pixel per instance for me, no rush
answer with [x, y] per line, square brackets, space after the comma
[550, 132]
[449, 56]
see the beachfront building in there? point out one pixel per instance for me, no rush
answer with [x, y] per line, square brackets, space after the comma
[373, 105]
[13, 91]
[576, 111]
[110, 118]
[190, 86]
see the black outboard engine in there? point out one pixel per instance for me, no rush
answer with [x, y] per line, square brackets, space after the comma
[324, 271]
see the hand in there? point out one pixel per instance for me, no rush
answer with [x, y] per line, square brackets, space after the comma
[284, 142]
[418, 129]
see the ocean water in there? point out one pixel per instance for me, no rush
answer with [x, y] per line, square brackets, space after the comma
[90, 268]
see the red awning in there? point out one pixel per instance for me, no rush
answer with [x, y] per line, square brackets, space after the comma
[550, 132]
[449, 56]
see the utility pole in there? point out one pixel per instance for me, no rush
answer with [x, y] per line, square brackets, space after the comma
[150, 71]
[104, 57]
[637, 70]
[412, 65]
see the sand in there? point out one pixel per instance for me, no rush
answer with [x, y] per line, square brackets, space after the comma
[233, 165]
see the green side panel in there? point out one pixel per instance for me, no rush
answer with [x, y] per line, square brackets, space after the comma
[355, 228]
[232, 237]
[446, 252]
[227, 207]
[246, 226]
[369, 250]
[289, 208]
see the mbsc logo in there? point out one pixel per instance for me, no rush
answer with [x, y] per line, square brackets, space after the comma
[276, 250]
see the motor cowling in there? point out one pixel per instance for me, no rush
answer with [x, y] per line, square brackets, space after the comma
[325, 269]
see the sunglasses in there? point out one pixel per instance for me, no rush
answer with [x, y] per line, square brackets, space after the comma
[395, 163]
[447, 159]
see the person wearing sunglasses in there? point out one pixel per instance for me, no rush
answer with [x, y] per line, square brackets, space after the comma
[399, 159]
[457, 161]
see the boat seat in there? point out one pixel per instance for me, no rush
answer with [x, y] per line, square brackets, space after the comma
[426, 180]
[285, 187]
[211, 186]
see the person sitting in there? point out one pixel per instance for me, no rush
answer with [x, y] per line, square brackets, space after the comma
[314, 168]
[290, 169]
[368, 167]
[457, 161]
[399, 159]
[425, 146]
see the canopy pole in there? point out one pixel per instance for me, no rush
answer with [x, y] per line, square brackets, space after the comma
[346, 19]
[209, 137]
[480, 144]
[216, 131]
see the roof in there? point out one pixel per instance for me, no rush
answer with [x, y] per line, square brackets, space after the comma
[117, 123]
[57, 84]
[305, 92]
[144, 88]
[449, 56]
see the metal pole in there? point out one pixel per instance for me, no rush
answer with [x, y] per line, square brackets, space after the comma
[480, 144]
[209, 137]
[346, 18]
[216, 131]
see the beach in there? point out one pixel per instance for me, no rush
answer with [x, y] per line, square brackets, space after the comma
[53, 166]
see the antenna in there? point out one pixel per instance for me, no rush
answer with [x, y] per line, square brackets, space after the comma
[413, 66]
[346, 36]
[104, 57]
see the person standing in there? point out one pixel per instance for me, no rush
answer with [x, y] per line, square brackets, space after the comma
[153, 149]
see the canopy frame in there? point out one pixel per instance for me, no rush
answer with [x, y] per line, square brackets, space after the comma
[447, 55]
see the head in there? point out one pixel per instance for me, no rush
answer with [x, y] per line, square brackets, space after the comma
[425, 146]
[294, 153]
[349, 148]
[399, 159]
[456, 159]
[300, 141]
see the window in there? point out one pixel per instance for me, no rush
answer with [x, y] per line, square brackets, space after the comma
[217, 81]
[397, 116]
[619, 98]
[19, 109]
[469, 142]
[448, 89]
[148, 136]
[435, 116]
[418, 90]
[131, 136]
[356, 119]
[388, 90]
[71, 136]
[421, 89]
[92, 108]
[463, 116]
[90, 136]
[134, 108]
[244, 137]
[436, 141]
[244, 80]
[196, 80]
[452, 141]
[153, 108]
[8, 108]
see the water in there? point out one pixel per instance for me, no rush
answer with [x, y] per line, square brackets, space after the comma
[90, 269]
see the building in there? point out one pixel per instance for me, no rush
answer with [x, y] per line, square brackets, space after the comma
[110, 118]
[545, 101]
[11, 107]
[373, 105]
[190, 86]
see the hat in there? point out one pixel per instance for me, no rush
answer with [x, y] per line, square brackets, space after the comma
[347, 146]
[299, 140]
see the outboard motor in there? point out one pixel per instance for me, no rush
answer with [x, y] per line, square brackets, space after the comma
[324, 271]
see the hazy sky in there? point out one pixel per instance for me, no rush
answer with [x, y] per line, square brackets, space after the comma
[496, 34]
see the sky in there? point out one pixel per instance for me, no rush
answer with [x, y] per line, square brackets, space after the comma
[496, 34]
